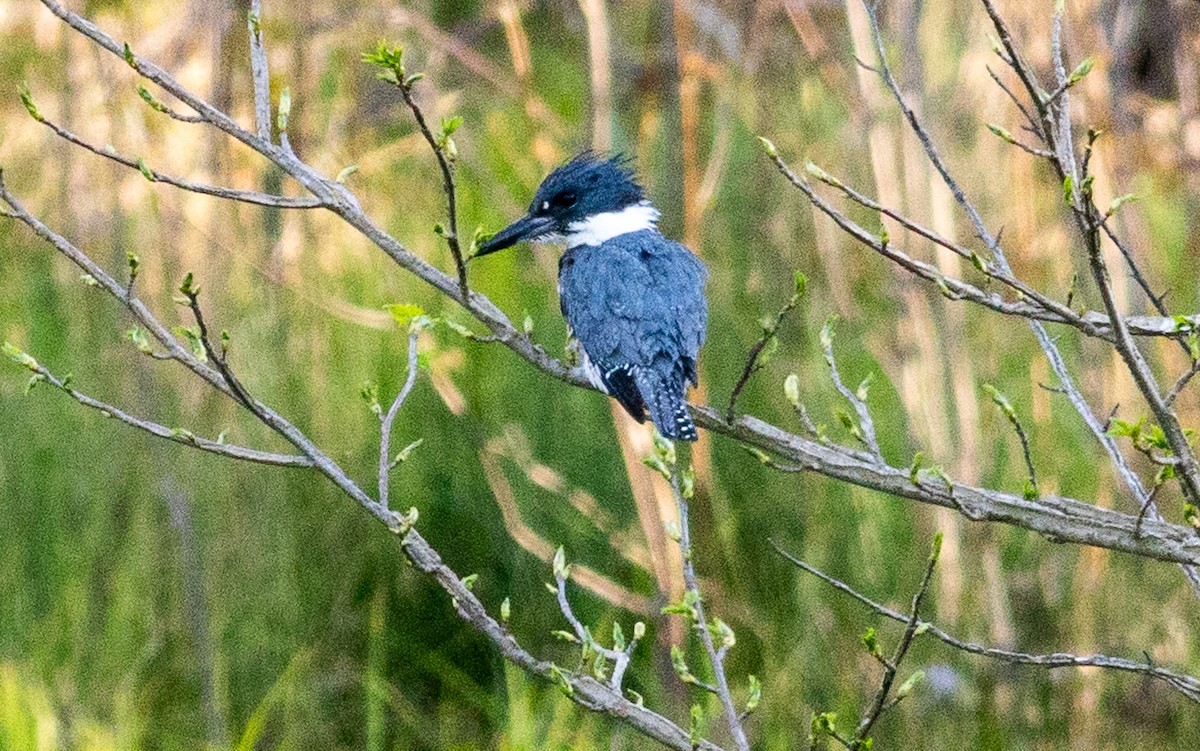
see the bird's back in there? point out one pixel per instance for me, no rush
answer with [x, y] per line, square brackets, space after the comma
[636, 304]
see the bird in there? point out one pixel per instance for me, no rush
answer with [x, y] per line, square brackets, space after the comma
[634, 300]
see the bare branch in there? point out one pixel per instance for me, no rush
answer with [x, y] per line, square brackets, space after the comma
[880, 703]
[866, 426]
[154, 176]
[386, 421]
[691, 584]
[259, 72]
[1184, 684]
[758, 353]
[178, 435]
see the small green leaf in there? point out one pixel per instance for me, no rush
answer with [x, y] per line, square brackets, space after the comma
[561, 679]
[345, 174]
[864, 387]
[188, 285]
[820, 174]
[754, 692]
[679, 662]
[1120, 201]
[799, 283]
[687, 482]
[138, 336]
[33, 381]
[696, 725]
[285, 108]
[505, 610]
[451, 124]
[89, 280]
[150, 99]
[791, 389]
[27, 100]
[405, 452]
[978, 262]
[618, 637]
[128, 53]
[369, 391]
[871, 642]
[469, 580]
[914, 469]
[1080, 71]
[768, 147]
[561, 570]
[405, 313]
[722, 633]
[639, 631]
[1001, 133]
[145, 170]
[906, 688]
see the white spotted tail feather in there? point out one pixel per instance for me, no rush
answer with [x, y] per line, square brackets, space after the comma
[666, 405]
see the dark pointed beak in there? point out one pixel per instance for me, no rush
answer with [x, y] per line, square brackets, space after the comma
[525, 228]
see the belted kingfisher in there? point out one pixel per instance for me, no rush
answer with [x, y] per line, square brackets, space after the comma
[634, 299]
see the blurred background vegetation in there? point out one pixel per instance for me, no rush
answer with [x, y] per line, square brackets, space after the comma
[152, 597]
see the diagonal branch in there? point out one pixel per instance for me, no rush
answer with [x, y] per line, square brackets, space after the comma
[1185, 684]
[178, 435]
[154, 176]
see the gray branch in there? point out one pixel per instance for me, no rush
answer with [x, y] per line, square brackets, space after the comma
[691, 583]
[259, 72]
[1183, 683]
[153, 175]
[386, 421]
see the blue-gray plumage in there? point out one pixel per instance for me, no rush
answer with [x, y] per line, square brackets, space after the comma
[634, 299]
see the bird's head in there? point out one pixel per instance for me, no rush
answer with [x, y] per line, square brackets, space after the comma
[584, 202]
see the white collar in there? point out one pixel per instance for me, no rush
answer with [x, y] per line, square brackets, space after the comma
[598, 228]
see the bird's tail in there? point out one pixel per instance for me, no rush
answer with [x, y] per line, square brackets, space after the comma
[666, 405]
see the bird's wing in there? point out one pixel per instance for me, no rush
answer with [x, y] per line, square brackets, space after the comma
[683, 274]
[638, 302]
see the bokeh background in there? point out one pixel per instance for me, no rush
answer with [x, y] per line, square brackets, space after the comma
[152, 597]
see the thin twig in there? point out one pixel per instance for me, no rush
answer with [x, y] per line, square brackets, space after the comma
[890, 666]
[259, 72]
[620, 658]
[691, 584]
[1182, 383]
[155, 176]
[177, 435]
[753, 365]
[1184, 684]
[448, 187]
[1005, 406]
[866, 431]
[386, 421]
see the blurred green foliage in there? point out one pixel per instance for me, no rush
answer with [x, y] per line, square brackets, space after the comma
[263, 610]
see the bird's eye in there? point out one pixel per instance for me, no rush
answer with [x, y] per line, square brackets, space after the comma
[564, 200]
